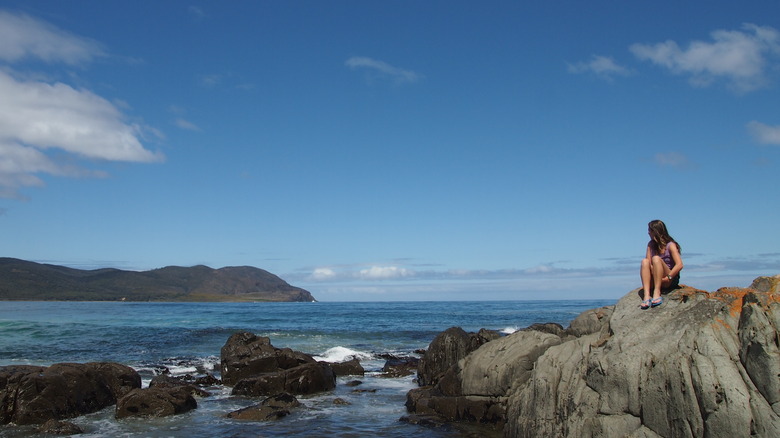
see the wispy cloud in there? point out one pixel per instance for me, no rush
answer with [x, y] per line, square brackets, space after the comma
[196, 12]
[186, 125]
[671, 159]
[383, 69]
[26, 37]
[740, 57]
[602, 66]
[38, 115]
[764, 134]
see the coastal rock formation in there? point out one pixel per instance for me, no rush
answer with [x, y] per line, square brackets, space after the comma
[156, 402]
[272, 408]
[701, 365]
[34, 395]
[255, 367]
[351, 367]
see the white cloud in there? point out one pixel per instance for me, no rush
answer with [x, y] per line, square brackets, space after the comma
[186, 124]
[323, 274]
[740, 57]
[671, 159]
[397, 74]
[38, 115]
[602, 66]
[384, 273]
[764, 134]
[23, 36]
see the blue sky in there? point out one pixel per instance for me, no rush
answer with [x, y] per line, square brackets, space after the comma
[398, 150]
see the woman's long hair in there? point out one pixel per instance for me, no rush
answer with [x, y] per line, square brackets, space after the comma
[660, 236]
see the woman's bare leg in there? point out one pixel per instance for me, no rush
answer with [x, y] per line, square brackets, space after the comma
[646, 274]
[660, 271]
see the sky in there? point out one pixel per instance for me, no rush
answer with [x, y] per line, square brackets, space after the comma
[394, 150]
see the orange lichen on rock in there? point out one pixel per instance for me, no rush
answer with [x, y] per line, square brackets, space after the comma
[733, 297]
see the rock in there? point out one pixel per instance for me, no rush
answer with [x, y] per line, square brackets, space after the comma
[590, 321]
[354, 383]
[246, 355]
[445, 350]
[476, 388]
[155, 402]
[304, 379]
[400, 367]
[340, 401]
[348, 368]
[767, 284]
[34, 395]
[178, 382]
[702, 365]
[272, 408]
[54, 427]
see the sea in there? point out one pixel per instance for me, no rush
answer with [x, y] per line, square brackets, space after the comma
[186, 338]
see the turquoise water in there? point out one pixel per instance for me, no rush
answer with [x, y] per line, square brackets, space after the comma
[187, 337]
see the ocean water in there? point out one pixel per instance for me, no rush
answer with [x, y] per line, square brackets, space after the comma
[186, 338]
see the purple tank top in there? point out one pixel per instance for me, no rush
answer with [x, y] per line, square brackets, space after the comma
[666, 256]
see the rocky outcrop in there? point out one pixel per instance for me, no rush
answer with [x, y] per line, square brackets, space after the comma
[34, 395]
[351, 367]
[272, 408]
[701, 365]
[156, 402]
[256, 368]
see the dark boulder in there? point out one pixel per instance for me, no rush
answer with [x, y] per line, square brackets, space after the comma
[348, 368]
[272, 408]
[447, 349]
[178, 382]
[155, 402]
[246, 355]
[309, 378]
[55, 427]
[34, 395]
[400, 367]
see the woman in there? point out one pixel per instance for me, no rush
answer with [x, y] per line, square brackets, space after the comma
[661, 266]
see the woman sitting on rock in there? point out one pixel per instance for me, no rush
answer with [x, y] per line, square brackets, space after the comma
[661, 266]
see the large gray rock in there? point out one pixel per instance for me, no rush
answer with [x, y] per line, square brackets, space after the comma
[34, 395]
[475, 387]
[701, 365]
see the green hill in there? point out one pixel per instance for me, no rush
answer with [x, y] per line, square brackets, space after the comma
[29, 281]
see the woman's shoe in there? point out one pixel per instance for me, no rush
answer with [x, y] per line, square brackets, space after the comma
[657, 302]
[645, 305]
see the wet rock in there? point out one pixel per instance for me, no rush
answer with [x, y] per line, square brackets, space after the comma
[349, 368]
[400, 367]
[178, 382]
[246, 355]
[354, 383]
[272, 408]
[155, 402]
[309, 378]
[34, 395]
[340, 401]
[55, 427]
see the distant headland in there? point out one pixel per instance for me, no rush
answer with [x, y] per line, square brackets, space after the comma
[22, 280]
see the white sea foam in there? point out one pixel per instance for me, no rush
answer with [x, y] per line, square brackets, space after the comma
[342, 354]
[508, 330]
